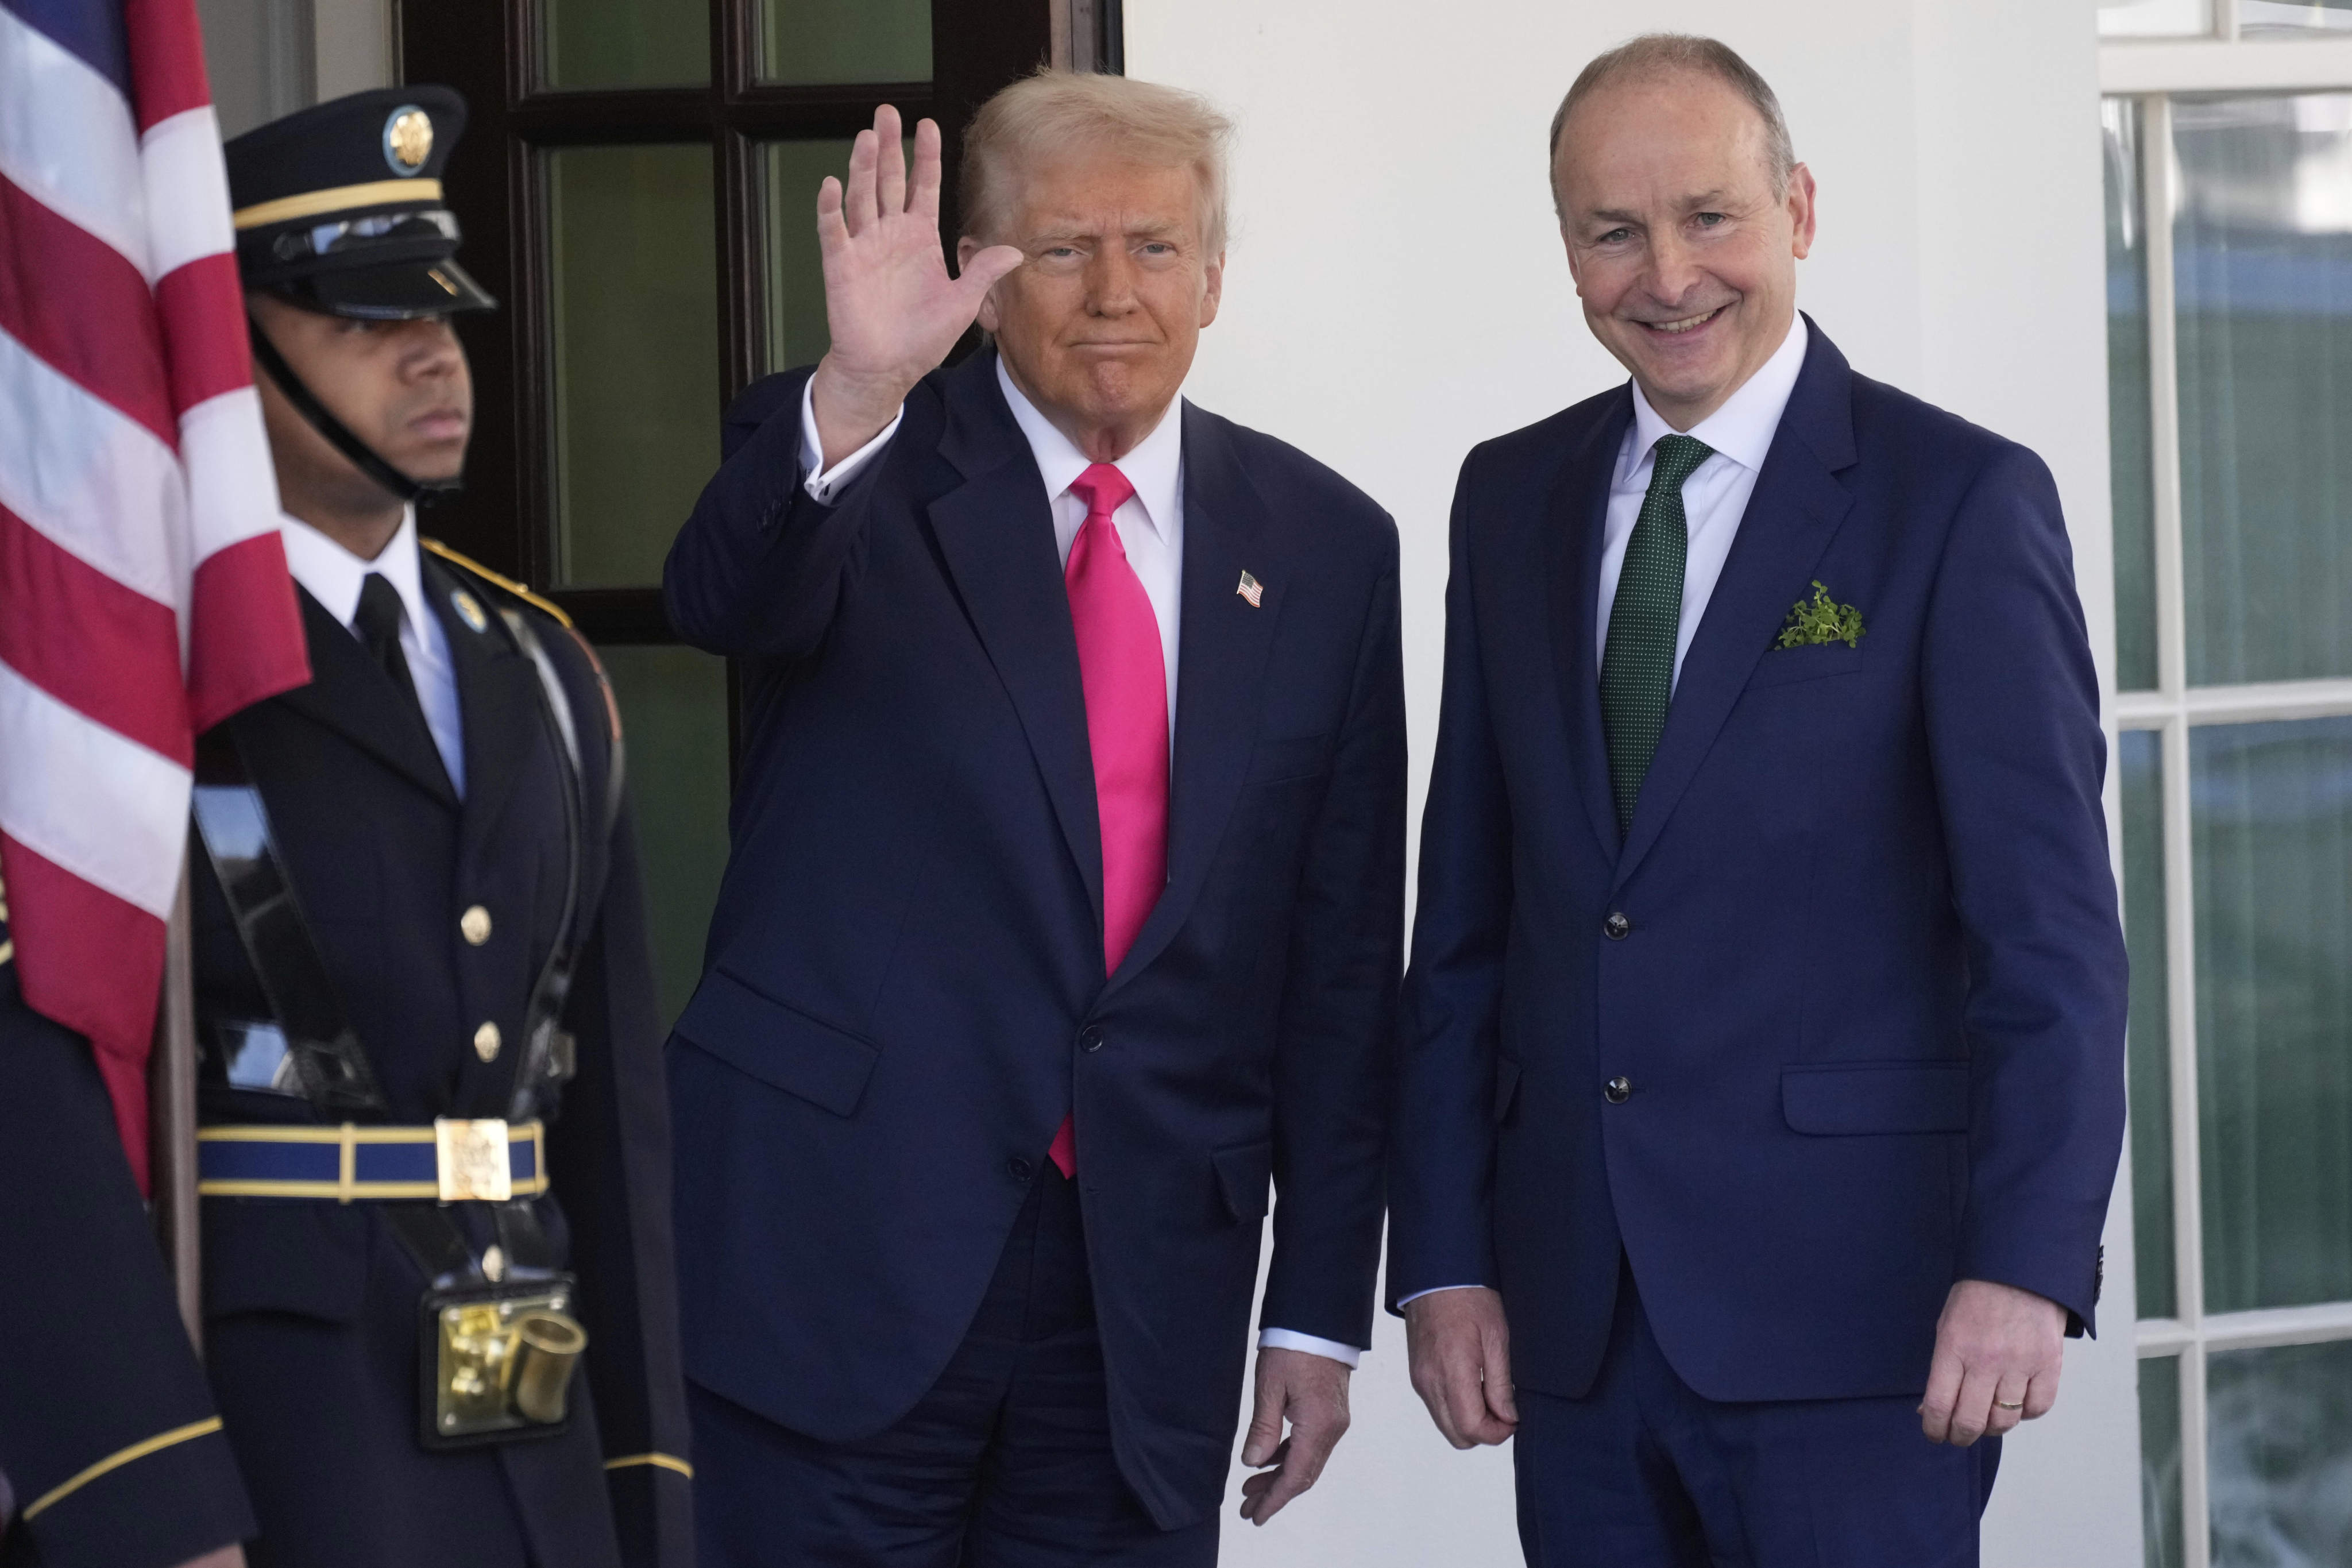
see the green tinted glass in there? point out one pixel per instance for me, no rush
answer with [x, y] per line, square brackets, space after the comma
[2292, 18]
[2271, 809]
[2159, 1462]
[791, 173]
[2131, 456]
[625, 43]
[2140, 762]
[2279, 1445]
[2262, 260]
[811, 41]
[633, 335]
[674, 713]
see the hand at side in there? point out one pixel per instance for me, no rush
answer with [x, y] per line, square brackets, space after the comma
[1995, 1345]
[1311, 1392]
[1460, 1346]
[891, 308]
[227, 1557]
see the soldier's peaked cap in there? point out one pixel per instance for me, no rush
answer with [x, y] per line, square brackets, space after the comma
[338, 207]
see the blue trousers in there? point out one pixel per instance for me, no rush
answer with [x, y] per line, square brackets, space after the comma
[1643, 1472]
[1006, 1463]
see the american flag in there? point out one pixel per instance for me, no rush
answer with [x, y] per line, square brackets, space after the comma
[144, 590]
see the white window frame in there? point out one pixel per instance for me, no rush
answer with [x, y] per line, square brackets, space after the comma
[2151, 70]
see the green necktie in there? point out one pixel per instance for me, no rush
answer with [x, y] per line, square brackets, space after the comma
[1637, 668]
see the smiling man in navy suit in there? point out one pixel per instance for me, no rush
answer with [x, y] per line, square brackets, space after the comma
[1761, 1090]
[1066, 901]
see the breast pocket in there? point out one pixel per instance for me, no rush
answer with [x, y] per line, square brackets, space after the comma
[1782, 666]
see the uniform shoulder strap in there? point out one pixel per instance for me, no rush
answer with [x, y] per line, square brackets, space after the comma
[607, 716]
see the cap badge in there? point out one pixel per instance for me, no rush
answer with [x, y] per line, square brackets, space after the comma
[407, 140]
[469, 609]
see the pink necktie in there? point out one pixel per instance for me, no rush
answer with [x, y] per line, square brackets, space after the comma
[1126, 681]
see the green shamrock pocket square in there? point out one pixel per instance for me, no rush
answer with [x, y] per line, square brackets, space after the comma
[1820, 619]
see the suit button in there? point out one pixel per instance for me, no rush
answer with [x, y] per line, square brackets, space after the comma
[1019, 1169]
[474, 925]
[1090, 1038]
[1616, 926]
[486, 1042]
[1618, 1090]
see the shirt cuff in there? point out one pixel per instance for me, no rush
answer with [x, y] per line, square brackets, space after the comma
[1433, 1289]
[1284, 1340]
[823, 484]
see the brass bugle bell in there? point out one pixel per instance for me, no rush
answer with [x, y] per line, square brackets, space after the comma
[547, 1353]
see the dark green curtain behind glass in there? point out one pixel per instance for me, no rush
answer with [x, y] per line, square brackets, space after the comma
[2139, 759]
[2270, 810]
[633, 301]
[674, 712]
[2262, 260]
[2131, 456]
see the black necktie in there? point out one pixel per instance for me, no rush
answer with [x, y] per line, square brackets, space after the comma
[378, 622]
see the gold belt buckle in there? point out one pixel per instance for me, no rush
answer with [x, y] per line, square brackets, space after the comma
[474, 1166]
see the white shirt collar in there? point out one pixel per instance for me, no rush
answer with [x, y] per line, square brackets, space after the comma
[1743, 428]
[333, 575]
[1155, 468]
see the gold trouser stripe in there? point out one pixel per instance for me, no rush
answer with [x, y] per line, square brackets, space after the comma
[8, 949]
[310, 204]
[159, 1442]
[666, 1461]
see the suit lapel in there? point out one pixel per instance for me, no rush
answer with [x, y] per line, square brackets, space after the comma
[350, 695]
[1792, 515]
[996, 532]
[498, 702]
[1221, 670]
[1576, 517]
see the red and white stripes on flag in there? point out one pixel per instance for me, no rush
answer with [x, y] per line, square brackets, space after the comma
[144, 590]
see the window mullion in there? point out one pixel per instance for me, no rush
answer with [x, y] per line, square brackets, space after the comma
[2157, 185]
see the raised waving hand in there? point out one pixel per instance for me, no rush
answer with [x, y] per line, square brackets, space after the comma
[892, 309]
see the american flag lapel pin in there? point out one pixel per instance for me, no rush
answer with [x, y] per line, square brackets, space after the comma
[1252, 590]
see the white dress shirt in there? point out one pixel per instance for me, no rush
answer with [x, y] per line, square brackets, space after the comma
[1715, 498]
[1151, 527]
[334, 576]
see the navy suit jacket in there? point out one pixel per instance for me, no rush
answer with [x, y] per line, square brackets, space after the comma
[1871, 996]
[905, 992]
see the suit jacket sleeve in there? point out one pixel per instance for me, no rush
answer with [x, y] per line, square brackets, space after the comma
[1338, 1014]
[2012, 714]
[760, 565]
[1441, 1172]
[109, 1439]
[610, 1157]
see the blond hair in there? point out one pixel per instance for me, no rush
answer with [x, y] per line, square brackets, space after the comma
[1057, 112]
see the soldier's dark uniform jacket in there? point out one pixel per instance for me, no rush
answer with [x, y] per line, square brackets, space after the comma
[312, 1305]
[438, 926]
[111, 1452]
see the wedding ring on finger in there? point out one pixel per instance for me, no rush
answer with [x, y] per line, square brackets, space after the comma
[2005, 1404]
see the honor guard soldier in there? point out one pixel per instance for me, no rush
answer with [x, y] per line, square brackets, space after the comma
[434, 1148]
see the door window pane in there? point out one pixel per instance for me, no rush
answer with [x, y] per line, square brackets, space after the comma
[2271, 808]
[2292, 18]
[2263, 248]
[674, 715]
[2140, 762]
[2130, 455]
[811, 41]
[2281, 1456]
[625, 43]
[795, 281]
[2155, 19]
[2159, 1462]
[634, 332]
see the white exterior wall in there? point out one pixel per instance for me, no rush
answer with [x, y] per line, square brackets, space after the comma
[1396, 292]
